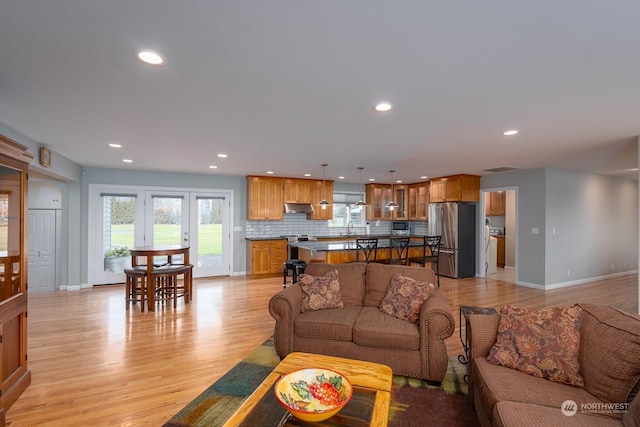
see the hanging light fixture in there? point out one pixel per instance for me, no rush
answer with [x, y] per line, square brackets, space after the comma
[391, 205]
[324, 203]
[360, 202]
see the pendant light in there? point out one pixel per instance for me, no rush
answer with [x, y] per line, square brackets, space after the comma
[360, 202]
[391, 205]
[324, 203]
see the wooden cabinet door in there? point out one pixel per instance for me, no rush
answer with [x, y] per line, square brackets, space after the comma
[298, 190]
[401, 197]
[500, 252]
[453, 191]
[278, 253]
[264, 198]
[260, 257]
[378, 195]
[419, 201]
[321, 191]
[494, 203]
[438, 190]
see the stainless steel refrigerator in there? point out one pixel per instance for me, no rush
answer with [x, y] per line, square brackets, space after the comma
[456, 223]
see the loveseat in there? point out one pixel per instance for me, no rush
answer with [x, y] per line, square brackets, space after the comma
[360, 330]
[608, 356]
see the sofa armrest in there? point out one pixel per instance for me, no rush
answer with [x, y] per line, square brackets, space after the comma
[436, 324]
[284, 308]
[482, 334]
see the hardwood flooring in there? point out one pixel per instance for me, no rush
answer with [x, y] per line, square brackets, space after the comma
[94, 363]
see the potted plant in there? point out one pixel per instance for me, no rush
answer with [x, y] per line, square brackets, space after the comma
[116, 259]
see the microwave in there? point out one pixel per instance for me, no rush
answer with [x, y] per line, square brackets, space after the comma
[400, 227]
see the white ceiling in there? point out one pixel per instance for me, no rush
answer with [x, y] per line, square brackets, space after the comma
[287, 85]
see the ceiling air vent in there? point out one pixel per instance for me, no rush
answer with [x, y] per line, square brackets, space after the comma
[502, 169]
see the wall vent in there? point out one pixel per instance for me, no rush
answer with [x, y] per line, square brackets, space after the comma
[502, 169]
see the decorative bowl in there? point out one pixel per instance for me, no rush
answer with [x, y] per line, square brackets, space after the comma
[313, 394]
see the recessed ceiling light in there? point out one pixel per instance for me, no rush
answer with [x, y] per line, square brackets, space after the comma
[213, 167]
[269, 172]
[307, 174]
[382, 107]
[222, 156]
[398, 181]
[371, 179]
[149, 57]
[115, 145]
[424, 177]
[341, 177]
[127, 160]
[510, 132]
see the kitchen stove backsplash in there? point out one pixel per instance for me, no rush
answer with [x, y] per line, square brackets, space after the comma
[299, 224]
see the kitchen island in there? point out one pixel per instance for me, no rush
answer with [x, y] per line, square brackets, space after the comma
[345, 250]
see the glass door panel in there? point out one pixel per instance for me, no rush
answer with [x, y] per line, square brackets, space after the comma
[169, 221]
[118, 231]
[210, 234]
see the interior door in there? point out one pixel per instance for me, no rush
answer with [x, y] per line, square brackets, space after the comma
[41, 249]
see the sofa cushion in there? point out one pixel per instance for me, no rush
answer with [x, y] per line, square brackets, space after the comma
[610, 335]
[516, 414]
[405, 297]
[333, 324]
[379, 277]
[493, 383]
[374, 328]
[543, 343]
[320, 292]
[352, 279]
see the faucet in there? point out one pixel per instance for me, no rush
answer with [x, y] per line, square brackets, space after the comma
[350, 228]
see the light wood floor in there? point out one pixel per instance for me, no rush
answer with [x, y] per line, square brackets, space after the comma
[95, 364]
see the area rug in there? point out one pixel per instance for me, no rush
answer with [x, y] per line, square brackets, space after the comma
[413, 401]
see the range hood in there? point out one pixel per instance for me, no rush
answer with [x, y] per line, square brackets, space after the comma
[298, 208]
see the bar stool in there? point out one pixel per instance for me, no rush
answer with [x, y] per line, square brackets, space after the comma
[135, 289]
[295, 267]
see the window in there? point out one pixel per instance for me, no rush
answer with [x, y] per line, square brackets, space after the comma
[344, 211]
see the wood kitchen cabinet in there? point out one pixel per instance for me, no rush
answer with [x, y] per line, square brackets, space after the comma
[494, 203]
[500, 256]
[14, 374]
[419, 201]
[267, 256]
[265, 198]
[455, 188]
[401, 197]
[322, 190]
[299, 190]
[377, 196]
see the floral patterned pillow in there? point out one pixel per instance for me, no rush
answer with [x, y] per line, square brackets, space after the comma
[543, 343]
[405, 297]
[319, 293]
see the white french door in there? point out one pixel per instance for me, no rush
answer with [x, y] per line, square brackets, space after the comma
[126, 217]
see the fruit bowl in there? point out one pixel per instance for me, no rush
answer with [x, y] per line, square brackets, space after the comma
[313, 394]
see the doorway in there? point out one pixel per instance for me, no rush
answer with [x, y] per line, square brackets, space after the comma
[41, 255]
[498, 235]
[126, 217]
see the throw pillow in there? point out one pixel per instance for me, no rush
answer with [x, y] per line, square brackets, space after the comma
[543, 343]
[322, 292]
[405, 296]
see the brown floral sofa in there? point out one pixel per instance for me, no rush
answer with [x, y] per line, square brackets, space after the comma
[597, 385]
[375, 317]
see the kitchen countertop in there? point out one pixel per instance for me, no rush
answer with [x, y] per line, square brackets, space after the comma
[350, 243]
[338, 238]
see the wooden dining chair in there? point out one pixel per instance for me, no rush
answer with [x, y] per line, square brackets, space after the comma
[430, 254]
[368, 248]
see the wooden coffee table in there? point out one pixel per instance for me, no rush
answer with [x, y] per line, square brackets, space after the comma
[368, 406]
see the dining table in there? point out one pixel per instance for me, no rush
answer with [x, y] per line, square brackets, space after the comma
[149, 253]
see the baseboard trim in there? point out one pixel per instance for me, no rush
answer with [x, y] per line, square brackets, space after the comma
[575, 282]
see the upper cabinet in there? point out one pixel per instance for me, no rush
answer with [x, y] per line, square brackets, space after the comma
[455, 188]
[378, 195]
[322, 190]
[494, 203]
[299, 190]
[419, 201]
[265, 198]
[14, 375]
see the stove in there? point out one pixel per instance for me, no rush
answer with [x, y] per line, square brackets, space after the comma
[294, 238]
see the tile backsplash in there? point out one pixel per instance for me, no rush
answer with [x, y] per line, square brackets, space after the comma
[299, 224]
